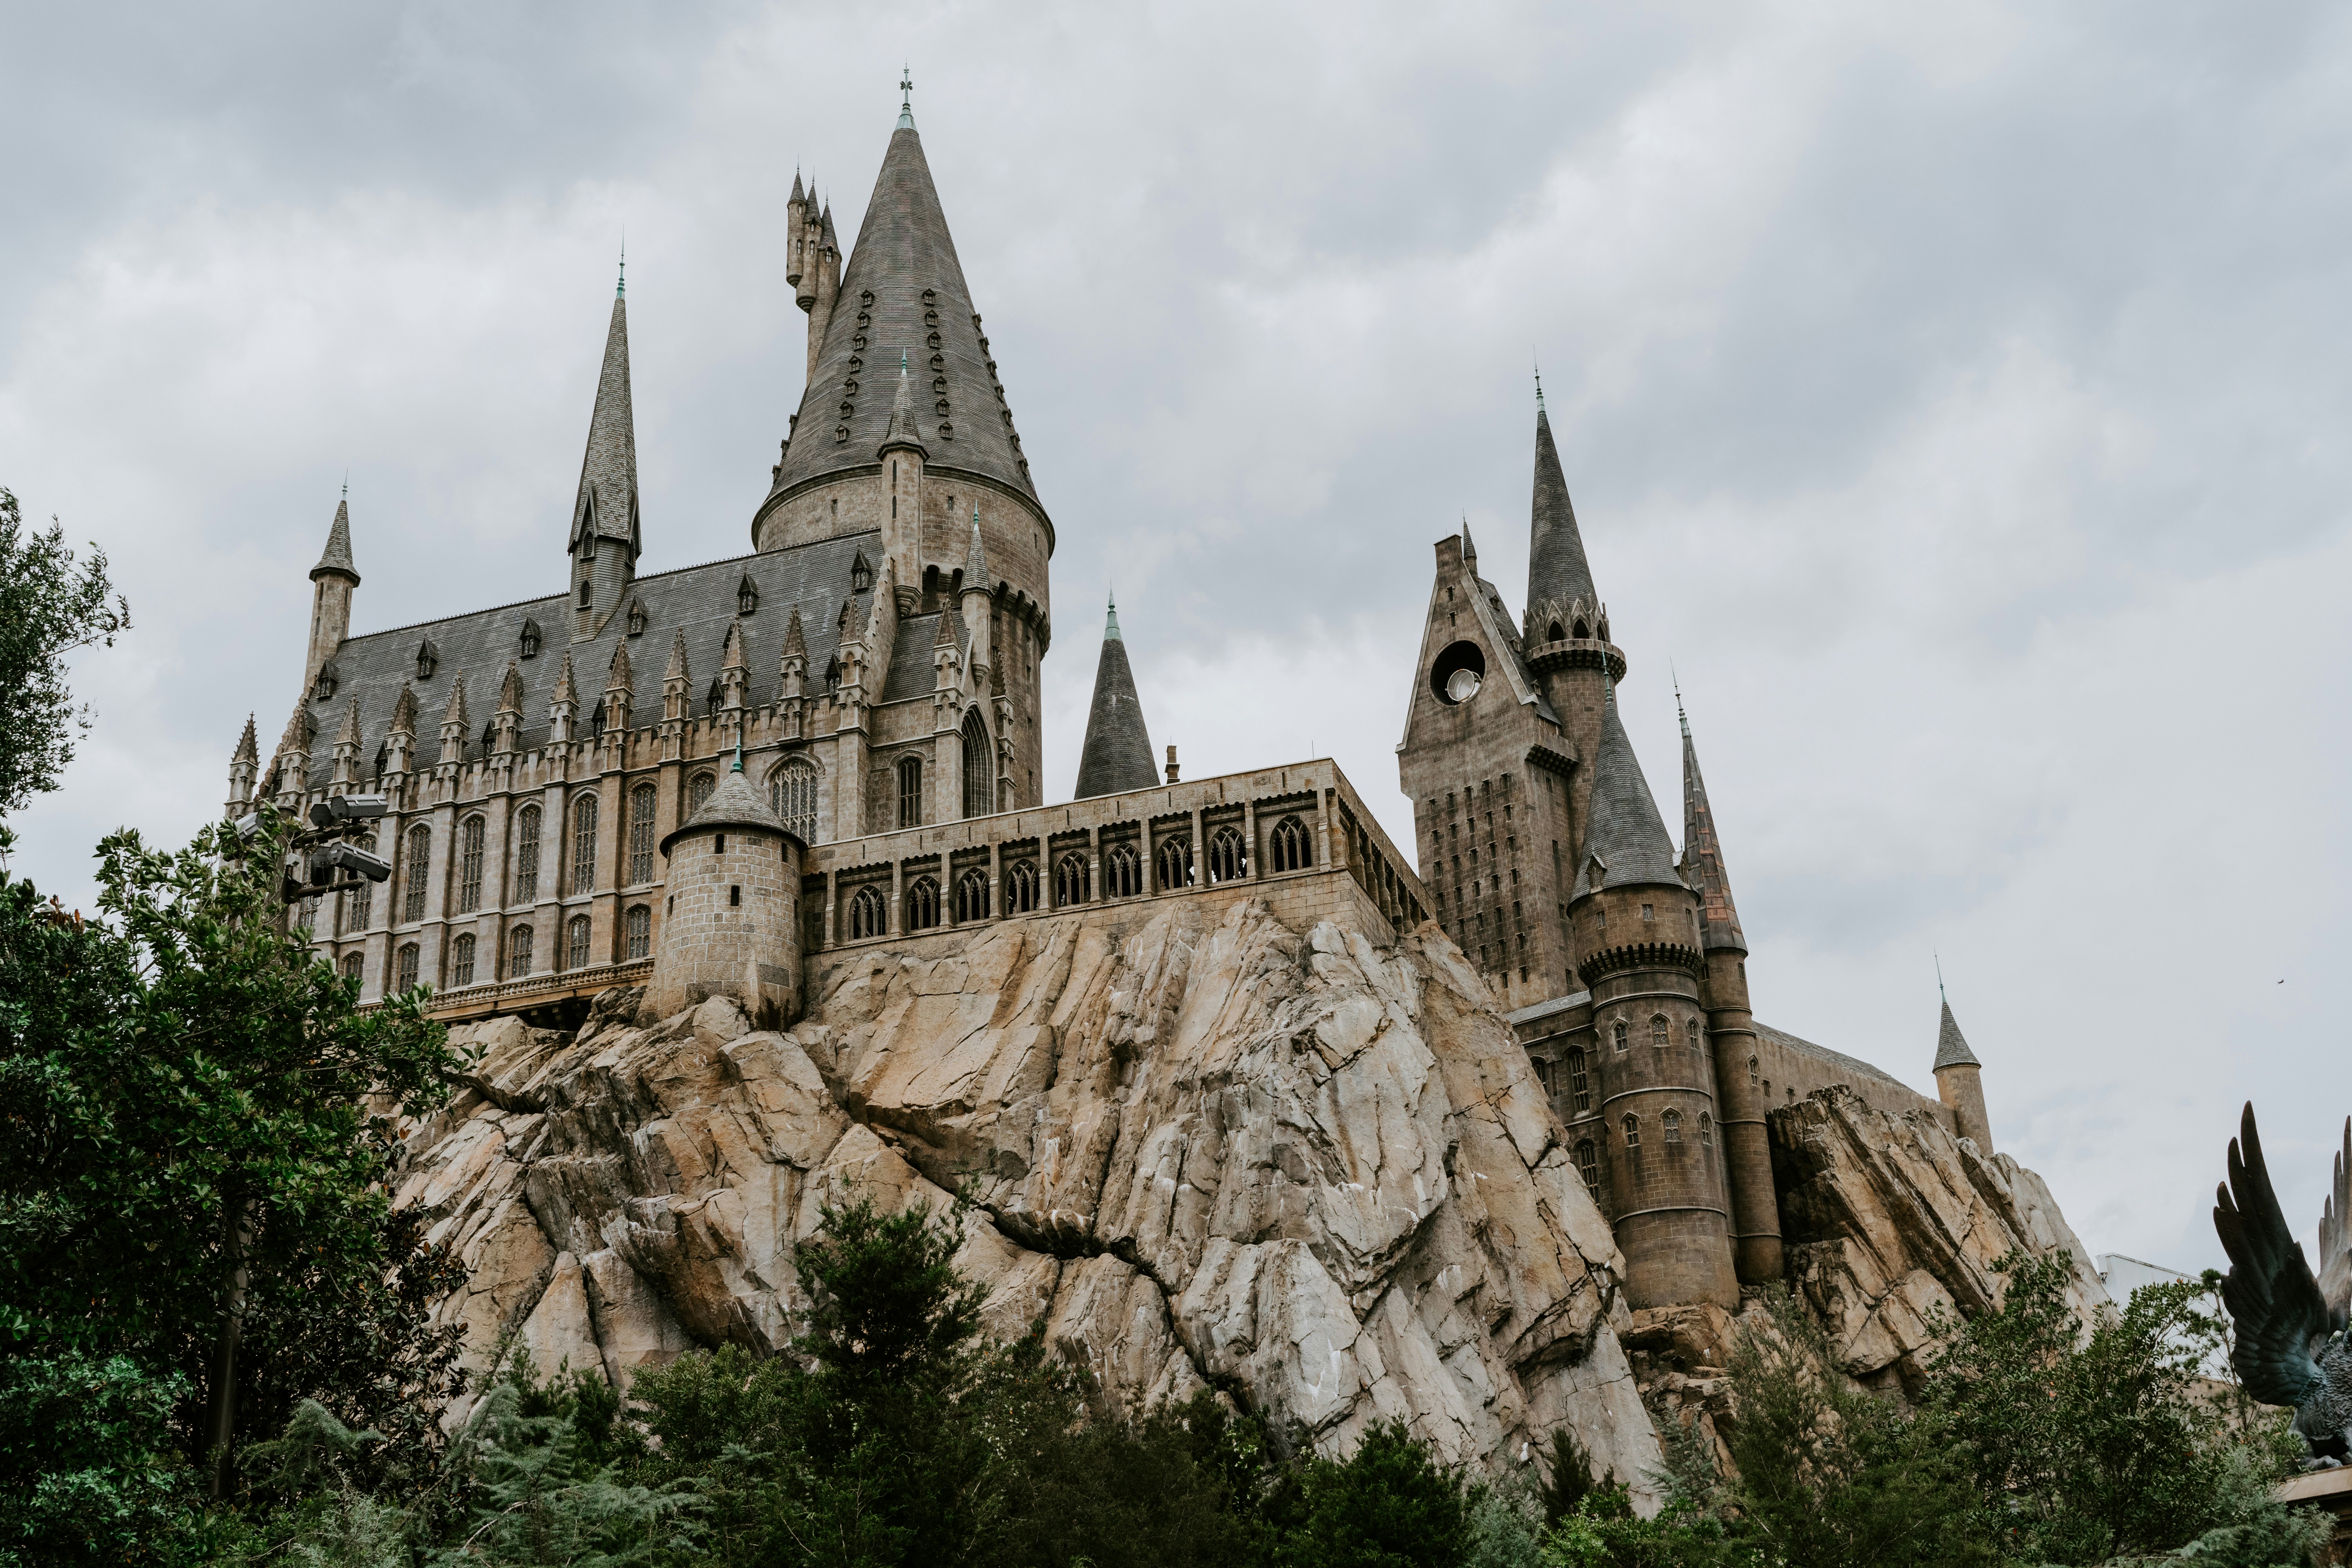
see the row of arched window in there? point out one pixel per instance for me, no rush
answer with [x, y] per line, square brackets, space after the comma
[867, 914]
[465, 968]
[1662, 1033]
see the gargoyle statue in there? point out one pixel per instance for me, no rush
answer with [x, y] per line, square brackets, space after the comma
[2291, 1345]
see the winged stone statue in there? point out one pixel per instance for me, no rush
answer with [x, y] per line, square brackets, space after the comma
[2291, 1346]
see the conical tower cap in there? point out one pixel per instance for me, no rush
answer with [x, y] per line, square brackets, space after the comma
[336, 557]
[1117, 753]
[734, 804]
[1626, 833]
[1951, 1046]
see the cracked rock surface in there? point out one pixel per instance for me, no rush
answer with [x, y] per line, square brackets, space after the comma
[1311, 1171]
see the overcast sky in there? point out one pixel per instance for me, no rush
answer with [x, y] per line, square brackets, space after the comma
[1956, 396]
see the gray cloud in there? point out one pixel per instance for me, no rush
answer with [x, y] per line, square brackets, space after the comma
[1955, 398]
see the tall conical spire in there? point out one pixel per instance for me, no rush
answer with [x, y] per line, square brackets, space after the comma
[1558, 575]
[902, 431]
[1626, 834]
[606, 505]
[975, 560]
[1951, 1046]
[902, 287]
[337, 556]
[1118, 753]
[249, 745]
[1702, 852]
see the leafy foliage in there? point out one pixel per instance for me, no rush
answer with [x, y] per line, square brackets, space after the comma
[196, 1170]
[50, 608]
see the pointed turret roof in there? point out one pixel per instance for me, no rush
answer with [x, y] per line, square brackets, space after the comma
[946, 636]
[1702, 852]
[620, 678]
[404, 711]
[566, 689]
[903, 250]
[349, 736]
[1626, 834]
[510, 689]
[454, 712]
[1557, 571]
[336, 557]
[1118, 753]
[795, 640]
[902, 431]
[249, 745]
[734, 804]
[299, 730]
[607, 501]
[730, 651]
[797, 193]
[679, 669]
[975, 560]
[1951, 1046]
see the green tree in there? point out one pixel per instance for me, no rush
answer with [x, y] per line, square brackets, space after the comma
[195, 1175]
[50, 608]
[1391, 1504]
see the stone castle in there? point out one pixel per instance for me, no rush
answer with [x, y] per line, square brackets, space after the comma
[716, 782]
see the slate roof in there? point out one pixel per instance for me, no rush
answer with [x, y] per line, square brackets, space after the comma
[698, 601]
[1556, 569]
[1951, 1047]
[903, 248]
[1626, 833]
[1836, 1059]
[1117, 756]
[911, 672]
[337, 556]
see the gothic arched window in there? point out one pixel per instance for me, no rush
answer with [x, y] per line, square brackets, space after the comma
[519, 952]
[575, 943]
[697, 792]
[325, 686]
[1633, 1132]
[1020, 887]
[1175, 864]
[1690, 1032]
[747, 596]
[792, 789]
[420, 868]
[910, 792]
[1556, 633]
[869, 912]
[409, 954]
[428, 659]
[527, 857]
[583, 844]
[637, 617]
[923, 904]
[1673, 1121]
[470, 865]
[979, 767]
[1706, 1131]
[1617, 1033]
[1588, 1165]
[354, 965]
[1070, 881]
[1580, 1083]
[1122, 873]
[531, 636]
[637, 932]
[1228, 856]
[461, 962]
[971, 896]
[642, 808]
[1659, 1033]
[1543, 1074]
[1751, 1072]
[1293, 849]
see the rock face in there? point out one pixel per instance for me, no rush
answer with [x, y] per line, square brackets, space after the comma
[1311, 1171]
[1889, 1217]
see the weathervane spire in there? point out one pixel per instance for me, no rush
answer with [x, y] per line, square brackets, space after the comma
[1539, 402]
[621, 289]
[906, 97]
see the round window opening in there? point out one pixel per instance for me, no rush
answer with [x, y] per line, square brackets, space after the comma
[1458, 673]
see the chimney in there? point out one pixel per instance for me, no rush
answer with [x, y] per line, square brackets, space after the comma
[1171, 764]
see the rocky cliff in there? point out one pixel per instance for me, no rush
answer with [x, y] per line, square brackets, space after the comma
[1313, 1172]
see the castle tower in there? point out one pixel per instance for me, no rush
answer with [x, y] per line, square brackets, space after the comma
[1117, 756]
[331, 582]
[1960, 1079]
[244, 766]
[901, 301]
[733, 923]
[1731, 1033]
[1636, 926]
[605, 538]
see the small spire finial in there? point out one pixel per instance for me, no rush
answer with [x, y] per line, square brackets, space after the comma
[620, 289]
[738, 753]
[1946, 1001]
[1539, 402]
[902, 365]
[1677, 680]
[906, 99]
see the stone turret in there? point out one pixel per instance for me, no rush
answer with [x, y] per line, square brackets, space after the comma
[978, 597]
[1732, 1032]
[1117, 756]
[903, 456]
[244, 766]
[605, 537]
[1566, 626]
[454, 724]
[619, 685]
[562, 705]
[1634, 923]
[1959, 1081]
[733, 920]
[331, 582]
